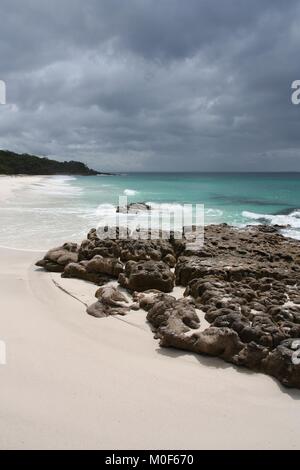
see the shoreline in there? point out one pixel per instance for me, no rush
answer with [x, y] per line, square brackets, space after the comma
[79, 209]
[73, 381]
[9, 184]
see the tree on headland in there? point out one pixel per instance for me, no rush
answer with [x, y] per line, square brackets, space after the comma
[23, 164]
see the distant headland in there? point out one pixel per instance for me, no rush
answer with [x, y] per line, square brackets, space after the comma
[24, 164]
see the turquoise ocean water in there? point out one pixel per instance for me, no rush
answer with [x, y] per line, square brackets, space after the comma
[62, 208]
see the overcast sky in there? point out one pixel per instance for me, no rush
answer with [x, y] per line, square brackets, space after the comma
[151, 85]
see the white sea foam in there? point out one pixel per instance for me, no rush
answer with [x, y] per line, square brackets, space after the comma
[168, 207]
[291, 221]
[214, 212]
[130, 192]
[107, 216]
[252, 215]
[105, 210]
[104, 175]
[59, 208]
[56, 186]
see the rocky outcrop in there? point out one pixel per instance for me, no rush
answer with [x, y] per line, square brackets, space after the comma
[144, 275]
[174, 321]
[56, 259]
[246, 283]
[258, 311]
[145, 250]
[177, 325]
[230, 268]
[128, 250]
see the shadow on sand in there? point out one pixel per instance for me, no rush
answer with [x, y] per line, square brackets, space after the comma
[217, 363]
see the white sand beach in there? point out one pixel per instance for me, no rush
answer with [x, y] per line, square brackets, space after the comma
[9, 184]
[72, 381]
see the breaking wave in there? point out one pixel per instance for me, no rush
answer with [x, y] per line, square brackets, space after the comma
[56, 186]
[130, 192]
[290, 222]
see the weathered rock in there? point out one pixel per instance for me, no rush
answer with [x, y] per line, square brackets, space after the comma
[174, 321]
[250, 299]
[134, 207]
[144, 275]
[111, 301]
[135, 249]
[147, 299]
[251, 356]
[220, 342]
[170, 260]
[284, 363]
[110, 266]
[246, 281]
[79, 271]
[98, 270]
[187, 269]
[56, 259]
[106, 248]
[176, 316]
[111, 295]
[138, 250]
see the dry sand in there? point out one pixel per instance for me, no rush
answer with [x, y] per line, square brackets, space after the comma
[74, 381]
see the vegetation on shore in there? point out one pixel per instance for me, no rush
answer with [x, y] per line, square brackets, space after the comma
[23, 164]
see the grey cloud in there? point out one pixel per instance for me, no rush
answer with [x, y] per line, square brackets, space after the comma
[147, 85]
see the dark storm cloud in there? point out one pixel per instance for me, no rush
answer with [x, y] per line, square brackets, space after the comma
[152, 85]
